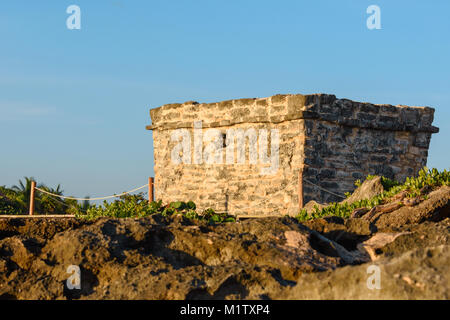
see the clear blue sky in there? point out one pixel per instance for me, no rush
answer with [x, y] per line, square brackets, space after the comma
[74, 103]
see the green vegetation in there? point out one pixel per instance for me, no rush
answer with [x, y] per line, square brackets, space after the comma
[136, 206]
[16, 200]
[386, 182]
[415, 187]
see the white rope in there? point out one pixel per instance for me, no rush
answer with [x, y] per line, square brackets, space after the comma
[69, 206]
[90, 199]
[337, 195]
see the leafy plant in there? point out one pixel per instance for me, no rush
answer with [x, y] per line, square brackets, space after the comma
[386, 182]
[125, 207]
[426, 179]
[136, 206]
[16, 200]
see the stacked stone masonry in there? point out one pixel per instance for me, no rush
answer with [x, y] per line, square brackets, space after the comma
[331, 142]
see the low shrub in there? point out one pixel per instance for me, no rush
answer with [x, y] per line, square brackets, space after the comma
[136, 206]
[415, 186]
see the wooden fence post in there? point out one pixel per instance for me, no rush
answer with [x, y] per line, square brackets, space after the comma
[300, 189]
[33, 186]
[150, 190]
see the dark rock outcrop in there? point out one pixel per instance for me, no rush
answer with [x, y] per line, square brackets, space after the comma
[366, 190]
[266, 258]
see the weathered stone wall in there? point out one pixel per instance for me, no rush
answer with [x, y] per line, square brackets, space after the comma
[347, 140]
[338, 156]
[332, 141]
[236, 187]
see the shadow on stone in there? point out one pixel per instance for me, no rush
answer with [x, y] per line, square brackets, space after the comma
[230, 288]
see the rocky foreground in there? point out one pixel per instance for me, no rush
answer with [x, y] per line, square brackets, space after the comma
[267, 258]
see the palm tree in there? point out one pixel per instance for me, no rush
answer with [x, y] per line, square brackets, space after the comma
[50, 204]
[23, 192]
[23, 187]
[8, 205]
[86, 204]
[43, 203]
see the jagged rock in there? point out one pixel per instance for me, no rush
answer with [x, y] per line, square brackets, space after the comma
[368, 189]
[436, 207]
[160, 259]
[275, 258]
[377, 211]
[347, 233]
[422, 273]
[399, 196]
[377, 242]
[358, 213]
[311, 205]
[410, 202]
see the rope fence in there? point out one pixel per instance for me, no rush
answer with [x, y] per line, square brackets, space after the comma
[68, 205]
[90, 199]
[150, 193]
[148, 185]
[323, 189]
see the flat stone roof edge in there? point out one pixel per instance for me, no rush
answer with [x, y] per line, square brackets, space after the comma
[288, 107]
[312, 95]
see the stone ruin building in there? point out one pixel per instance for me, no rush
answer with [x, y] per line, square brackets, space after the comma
[272, 155]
